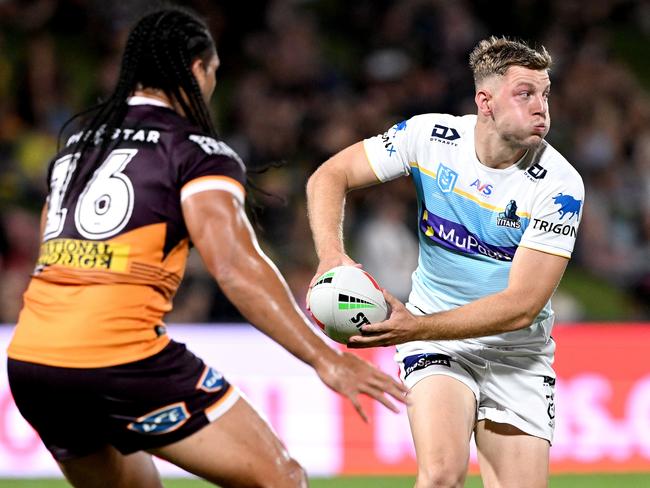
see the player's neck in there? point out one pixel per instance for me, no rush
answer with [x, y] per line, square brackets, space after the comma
[153, 93]
[159, 95]
[491, 150]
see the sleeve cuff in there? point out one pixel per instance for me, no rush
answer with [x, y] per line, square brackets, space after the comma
[206, 183]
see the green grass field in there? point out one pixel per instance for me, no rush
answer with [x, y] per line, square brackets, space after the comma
[641, 480]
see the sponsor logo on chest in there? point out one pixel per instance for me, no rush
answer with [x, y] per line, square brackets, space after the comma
[483, 188]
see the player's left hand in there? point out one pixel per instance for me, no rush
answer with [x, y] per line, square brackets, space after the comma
[352, 376]
[400, 326]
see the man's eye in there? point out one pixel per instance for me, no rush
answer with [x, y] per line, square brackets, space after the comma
[524, 94]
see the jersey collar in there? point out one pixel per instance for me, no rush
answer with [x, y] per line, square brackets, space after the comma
[142, 100]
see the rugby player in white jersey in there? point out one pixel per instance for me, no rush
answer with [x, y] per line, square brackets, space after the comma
[498, 210]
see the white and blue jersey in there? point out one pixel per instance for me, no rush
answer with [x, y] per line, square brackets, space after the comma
[472, 218]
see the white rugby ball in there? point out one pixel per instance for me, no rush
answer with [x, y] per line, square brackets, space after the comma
[345, 298]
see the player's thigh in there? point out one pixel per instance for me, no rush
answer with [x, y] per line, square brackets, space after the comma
[442, 413]
[238, 449]
[507, 455]
[109, 468]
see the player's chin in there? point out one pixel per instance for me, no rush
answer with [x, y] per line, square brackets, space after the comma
[533, 141]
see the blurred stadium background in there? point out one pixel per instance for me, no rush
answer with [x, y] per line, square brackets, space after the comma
[301, 79]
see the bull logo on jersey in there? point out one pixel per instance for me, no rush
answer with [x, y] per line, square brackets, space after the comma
[568, 205]
[161, 421]
[509, 217]
[446, 179]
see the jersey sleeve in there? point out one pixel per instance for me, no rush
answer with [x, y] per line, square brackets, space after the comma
[555, 216]
[390, 153]
[208, 164]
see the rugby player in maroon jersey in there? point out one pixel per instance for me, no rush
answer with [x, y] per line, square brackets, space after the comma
[91, 366]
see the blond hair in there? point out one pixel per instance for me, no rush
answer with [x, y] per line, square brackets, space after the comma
[493, 56]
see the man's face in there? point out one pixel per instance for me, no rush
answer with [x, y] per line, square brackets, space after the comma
[520, 106]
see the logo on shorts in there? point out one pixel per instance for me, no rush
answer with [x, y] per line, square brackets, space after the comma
[161, 421]
[549, 384]
[211, 380]
[421, 361]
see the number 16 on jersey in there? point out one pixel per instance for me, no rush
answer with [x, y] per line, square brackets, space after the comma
[104, 206]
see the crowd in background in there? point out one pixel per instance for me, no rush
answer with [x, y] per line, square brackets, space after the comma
[302, 79]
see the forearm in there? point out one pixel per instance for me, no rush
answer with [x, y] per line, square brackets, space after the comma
[325, 205]
[490, 315]
[270, 307]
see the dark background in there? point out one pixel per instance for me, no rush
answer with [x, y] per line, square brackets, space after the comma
[300, 80]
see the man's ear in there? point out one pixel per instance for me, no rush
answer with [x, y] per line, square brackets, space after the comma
[483, 99]
[198, 68]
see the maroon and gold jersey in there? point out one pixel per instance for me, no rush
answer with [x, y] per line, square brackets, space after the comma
[114, 252]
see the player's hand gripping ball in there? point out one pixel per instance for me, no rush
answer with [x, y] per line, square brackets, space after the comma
[345, 298]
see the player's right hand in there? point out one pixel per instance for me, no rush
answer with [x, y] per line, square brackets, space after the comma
[327, 264]
[332, 262]
[350, 376]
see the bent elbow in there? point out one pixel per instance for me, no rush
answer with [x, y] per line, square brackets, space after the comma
[311, 182]
[315, 179]
[527, 312]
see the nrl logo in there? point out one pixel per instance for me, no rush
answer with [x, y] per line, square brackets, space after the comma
[446, 179]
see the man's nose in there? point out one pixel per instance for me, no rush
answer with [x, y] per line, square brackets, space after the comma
[540, 106]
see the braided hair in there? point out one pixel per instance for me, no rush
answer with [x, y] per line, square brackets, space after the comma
[158, 54]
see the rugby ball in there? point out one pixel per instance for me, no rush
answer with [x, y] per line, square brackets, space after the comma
[343, 299]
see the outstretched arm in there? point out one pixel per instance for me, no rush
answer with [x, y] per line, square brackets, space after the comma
[221, 232]
[534, 276]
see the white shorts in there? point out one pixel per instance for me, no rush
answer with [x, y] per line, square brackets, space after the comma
[512, 385]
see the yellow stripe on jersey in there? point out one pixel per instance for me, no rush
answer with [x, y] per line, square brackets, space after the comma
[465, 194]
[205, 183]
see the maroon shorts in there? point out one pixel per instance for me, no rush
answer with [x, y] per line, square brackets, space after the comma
[135, 406]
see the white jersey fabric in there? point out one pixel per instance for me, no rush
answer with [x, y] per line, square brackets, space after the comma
[472, 218]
